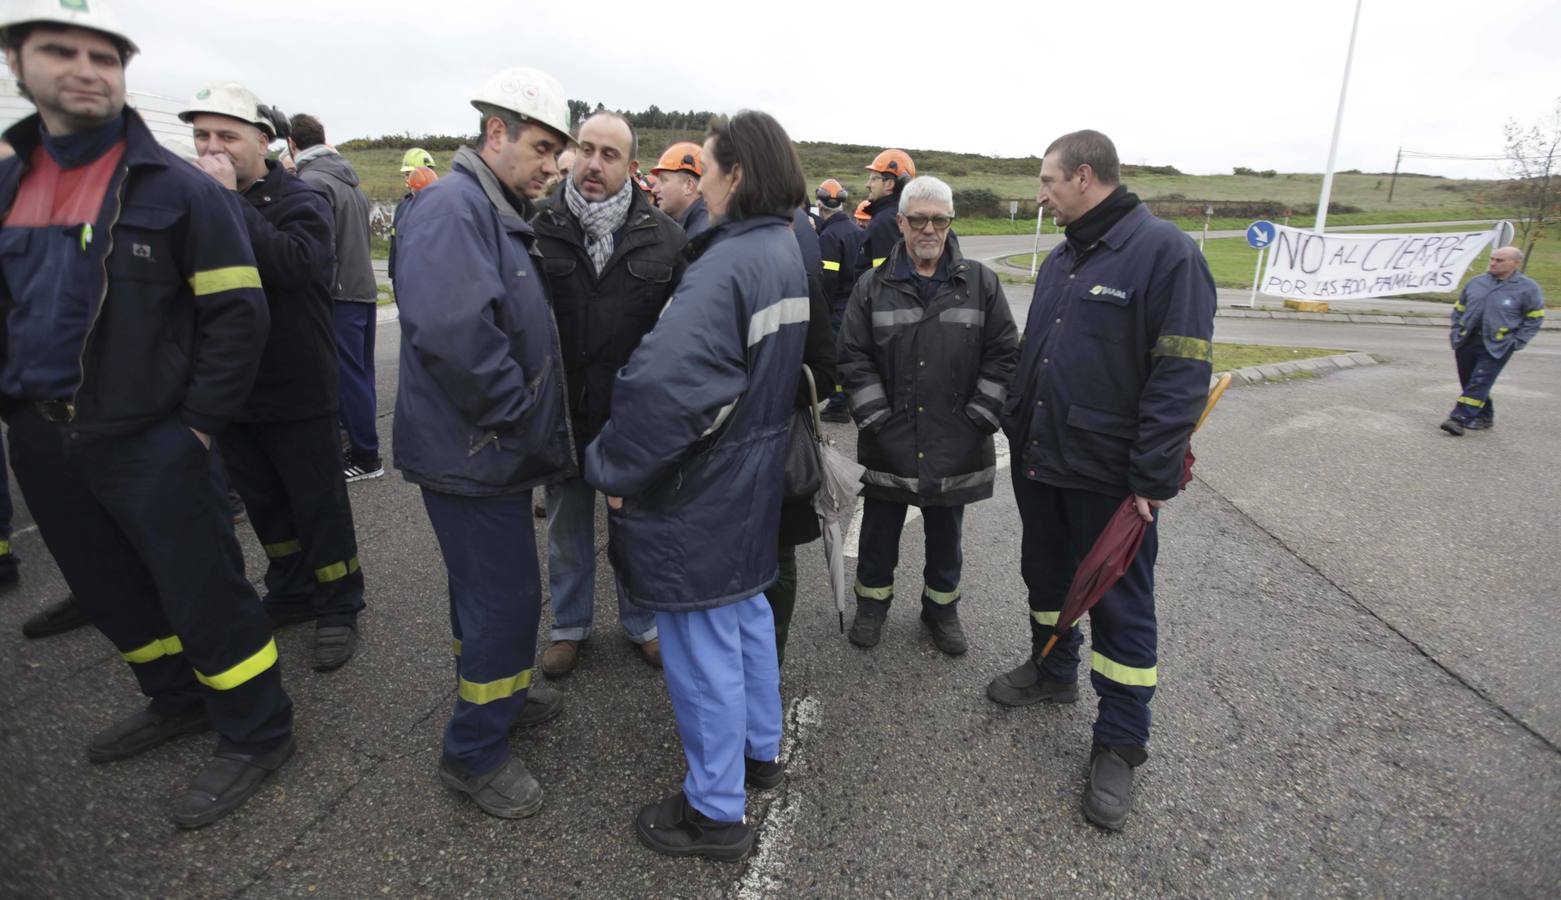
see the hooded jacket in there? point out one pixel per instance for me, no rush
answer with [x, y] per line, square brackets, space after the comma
[353, 277]
[480, 405]
[926, 378]
[700, 416]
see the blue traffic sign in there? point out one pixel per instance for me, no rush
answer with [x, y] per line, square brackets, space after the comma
[1260, 233]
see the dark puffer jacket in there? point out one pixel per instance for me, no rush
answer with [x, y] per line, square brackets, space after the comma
[601, 318]
[926, 380]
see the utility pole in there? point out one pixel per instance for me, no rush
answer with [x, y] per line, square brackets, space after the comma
[1338, 125]
[1394, 182]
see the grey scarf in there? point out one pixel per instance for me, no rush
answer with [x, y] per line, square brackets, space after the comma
[599, 220]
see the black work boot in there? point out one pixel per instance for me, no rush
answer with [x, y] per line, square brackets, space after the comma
[1108, 797]
[761, 775]
[672, 827]
[948, 634]
[1479, 424]
[508, 792]
[334, 645]
[1453, 427]
[867, 627]
[56, 618]
[146, 729]
[543, 702]
[1024, 686]
[230, 778]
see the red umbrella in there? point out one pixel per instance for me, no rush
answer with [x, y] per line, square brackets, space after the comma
[1112, 552]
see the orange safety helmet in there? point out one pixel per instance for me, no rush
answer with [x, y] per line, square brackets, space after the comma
[421, 177]
[894, 163]
[832, 193]
[680, 157]
[862, 215]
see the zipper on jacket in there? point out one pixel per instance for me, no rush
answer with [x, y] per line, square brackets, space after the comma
[86, 341]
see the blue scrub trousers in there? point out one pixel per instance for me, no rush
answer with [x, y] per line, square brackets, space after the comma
[489, 547]
[1060, 527]
[724, 681]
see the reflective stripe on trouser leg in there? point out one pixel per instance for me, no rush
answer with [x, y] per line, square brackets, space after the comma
[158, 488]
[878, 552]
[251, 473]
[943, 528]
[495, 599]
[707, 658]
[1123, 635]
[1477, 371]
[1047, 566]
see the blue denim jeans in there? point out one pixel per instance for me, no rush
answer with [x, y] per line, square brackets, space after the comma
[571, 567]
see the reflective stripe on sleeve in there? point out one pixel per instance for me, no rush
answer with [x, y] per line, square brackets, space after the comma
[283, 548]
[879, 261]
[336, 571]
[984, 413]
[1181, 347]
[1121, 674]
[992, 389]
[1534, 314]
[866, 395]
[767, 321]
[831, 266]
[157, 649]
[489, 691]
[264, 659]
[215, 281]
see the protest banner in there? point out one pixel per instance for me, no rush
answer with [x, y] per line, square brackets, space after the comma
[1304, 265]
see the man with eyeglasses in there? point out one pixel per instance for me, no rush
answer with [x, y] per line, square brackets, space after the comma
[1115, 372]
[926, 351]
[888, 174]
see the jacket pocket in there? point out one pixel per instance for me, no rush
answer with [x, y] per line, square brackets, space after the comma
[143, 245]
[1105, 312]
[1098, 443]
[650, 270]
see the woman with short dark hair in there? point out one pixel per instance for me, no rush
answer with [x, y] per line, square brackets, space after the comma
[695, 449]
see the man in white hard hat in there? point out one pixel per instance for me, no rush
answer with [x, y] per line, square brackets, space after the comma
[133, 320]
[282, 451]
[481, 419]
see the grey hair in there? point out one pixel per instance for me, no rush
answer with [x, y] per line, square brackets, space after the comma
[926, 187]
[513, 123]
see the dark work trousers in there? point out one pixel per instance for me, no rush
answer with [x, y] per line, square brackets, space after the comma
[783, 597]
[1060, 526]
[1477, 371]
[490, 554]
[879, 554]
[8, 560]
[290, 476]
[146, 545]
[355, 325]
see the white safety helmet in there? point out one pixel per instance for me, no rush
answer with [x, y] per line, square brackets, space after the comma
[231, 99]
[90, 14]
[529, 93]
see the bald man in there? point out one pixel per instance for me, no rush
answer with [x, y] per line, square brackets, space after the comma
[1497, 313]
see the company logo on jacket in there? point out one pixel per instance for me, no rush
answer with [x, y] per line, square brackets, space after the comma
[1099, 289]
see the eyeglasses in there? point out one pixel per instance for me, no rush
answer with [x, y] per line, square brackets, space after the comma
[941, 223]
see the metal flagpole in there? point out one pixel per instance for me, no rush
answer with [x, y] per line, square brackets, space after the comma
[1338, 124]
[1035, 255]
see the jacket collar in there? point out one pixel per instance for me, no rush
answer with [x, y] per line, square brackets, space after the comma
[890, 202]
[141, 149]
[269, 187]
[1124, 229]
[698, 204]
[953, 257]
[467, 160]
[727, 228]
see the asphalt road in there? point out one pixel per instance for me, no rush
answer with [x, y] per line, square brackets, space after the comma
[1357, 648]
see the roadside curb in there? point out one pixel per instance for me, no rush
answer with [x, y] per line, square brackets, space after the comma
[1277, 372]
[1353, 318]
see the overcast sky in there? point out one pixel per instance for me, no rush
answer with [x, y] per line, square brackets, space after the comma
[1203, 85]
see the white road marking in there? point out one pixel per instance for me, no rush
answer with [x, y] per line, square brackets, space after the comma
[762, 878]
[854, 533]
